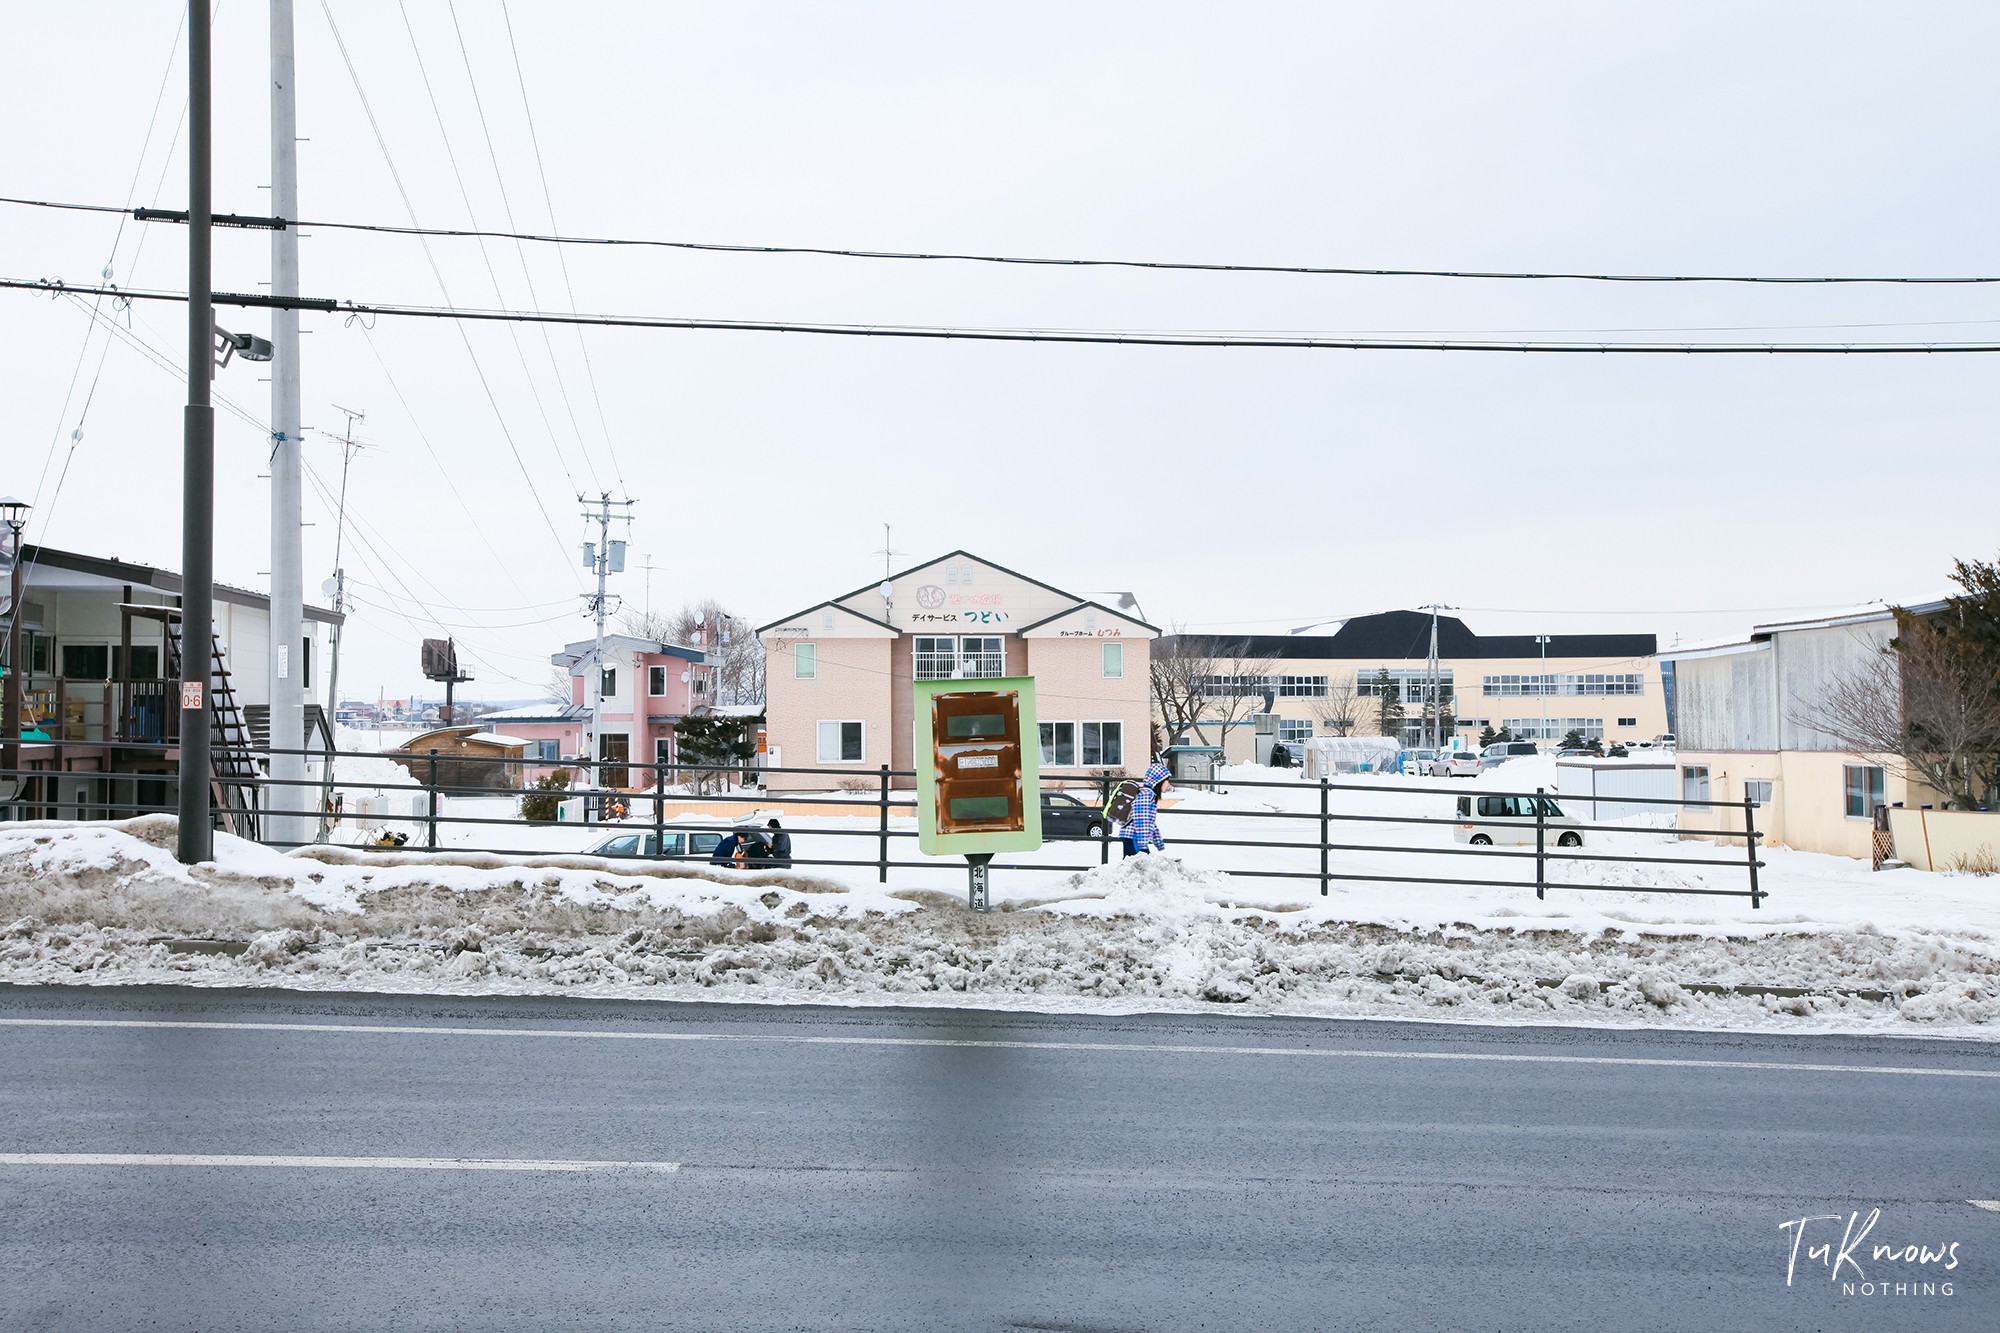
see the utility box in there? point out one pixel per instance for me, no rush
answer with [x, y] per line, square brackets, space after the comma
[978, 758]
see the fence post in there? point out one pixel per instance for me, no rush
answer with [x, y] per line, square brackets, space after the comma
[1541, 847]
[659, 805]
[1750, 850]
[1324, 839]
[883, 866]
[433, 821]
[1104, 819]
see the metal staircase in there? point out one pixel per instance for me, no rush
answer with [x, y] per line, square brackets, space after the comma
[234, 777]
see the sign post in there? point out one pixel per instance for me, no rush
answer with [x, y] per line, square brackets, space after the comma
[979, 773]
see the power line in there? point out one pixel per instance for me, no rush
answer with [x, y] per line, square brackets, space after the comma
[562, 259]
[354, 76]
[1170, 265]
[465, 195]
[1089, 337]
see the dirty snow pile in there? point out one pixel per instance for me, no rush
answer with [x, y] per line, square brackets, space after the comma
[106, 903]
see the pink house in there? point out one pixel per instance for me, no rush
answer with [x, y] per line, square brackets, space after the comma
[649, 686]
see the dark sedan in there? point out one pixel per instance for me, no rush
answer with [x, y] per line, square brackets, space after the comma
[1063, 816]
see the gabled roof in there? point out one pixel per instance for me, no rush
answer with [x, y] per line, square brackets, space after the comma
[1089, 606]
[904, 573]
[833, 605]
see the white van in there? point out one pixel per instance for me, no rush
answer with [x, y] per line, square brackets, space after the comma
[1511, 819]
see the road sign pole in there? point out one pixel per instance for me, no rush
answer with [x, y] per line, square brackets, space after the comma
[978, 896]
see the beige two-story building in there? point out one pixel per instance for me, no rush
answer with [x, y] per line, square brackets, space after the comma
[839, 699]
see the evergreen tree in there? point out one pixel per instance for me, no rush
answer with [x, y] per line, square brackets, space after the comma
[1388, 704]
[705, 744]
[1487, 735]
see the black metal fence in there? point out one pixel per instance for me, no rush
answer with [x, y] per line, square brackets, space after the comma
[327, 815]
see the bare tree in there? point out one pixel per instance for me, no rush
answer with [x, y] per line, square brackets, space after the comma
[1180, 669]
[557, 687]
[1339, 712]
[1928, 701]
[1240, 684]
[735, 657]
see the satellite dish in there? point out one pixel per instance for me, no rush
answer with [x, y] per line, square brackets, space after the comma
[888, 590]
[686, 676]
[329, 587]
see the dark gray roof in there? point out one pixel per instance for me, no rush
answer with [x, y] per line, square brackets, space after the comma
[1405, 635]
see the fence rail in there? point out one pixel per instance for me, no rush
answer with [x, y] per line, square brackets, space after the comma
[36, 792]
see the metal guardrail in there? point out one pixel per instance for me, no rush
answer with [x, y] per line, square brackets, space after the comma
[669, 774]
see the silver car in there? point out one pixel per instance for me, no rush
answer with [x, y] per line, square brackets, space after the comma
[1500, 752]
[1456, 764]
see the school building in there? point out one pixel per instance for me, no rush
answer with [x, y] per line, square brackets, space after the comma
[1606, 686]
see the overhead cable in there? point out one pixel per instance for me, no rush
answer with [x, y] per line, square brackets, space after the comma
[1304, 270]
[1103, 337]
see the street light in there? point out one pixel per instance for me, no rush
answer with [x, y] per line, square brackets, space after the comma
[14, 513]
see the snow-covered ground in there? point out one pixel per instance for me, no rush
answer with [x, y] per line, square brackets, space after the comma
[1897, 951]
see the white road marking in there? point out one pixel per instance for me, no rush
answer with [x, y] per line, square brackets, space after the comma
[1990, 1205]
[1137, 1048]
[370, 1163]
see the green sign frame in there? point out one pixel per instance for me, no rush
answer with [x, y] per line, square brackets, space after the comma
[935, 836]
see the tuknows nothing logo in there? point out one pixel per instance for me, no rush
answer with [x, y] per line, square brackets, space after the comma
[1920, 1262]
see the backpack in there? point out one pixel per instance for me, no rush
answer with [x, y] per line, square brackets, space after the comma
[1123, 793]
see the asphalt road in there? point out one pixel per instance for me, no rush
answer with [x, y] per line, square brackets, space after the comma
[939, 1169]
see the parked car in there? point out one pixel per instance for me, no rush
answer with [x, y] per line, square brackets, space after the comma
[1063, 816]
[1418, 761]
[1665, 741]
[1511, 819]
[1456, 764]
[1577, 754]
[644, 844]
[1500, 752]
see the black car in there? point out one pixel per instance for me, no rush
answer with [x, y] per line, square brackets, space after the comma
[1063, 816]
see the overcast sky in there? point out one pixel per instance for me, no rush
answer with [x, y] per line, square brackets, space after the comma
[1236, 489]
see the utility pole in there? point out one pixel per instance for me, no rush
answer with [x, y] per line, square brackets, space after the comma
[1543, 640]
[287, 692]
[192, 839]
[336, 588]
[1431, 715]
[606, 557]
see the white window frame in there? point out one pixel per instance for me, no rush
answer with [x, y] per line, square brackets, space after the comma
[810, 661]
[1114, 661]
[607, 682]
[1048, 728]
[840, 739]
[1760, 791]
[656, 682]
[1077, 741]
[1294, 730]
[965, 657]
[1877, 789]
[931, 663]
[1628, 721]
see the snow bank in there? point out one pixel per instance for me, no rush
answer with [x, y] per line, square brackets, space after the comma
[106, 903]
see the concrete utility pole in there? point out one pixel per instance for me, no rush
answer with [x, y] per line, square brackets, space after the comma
[193, 842]
[1543, 640]
[1431, 714]
[336, 588]
[606, 557]
[288, 646]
